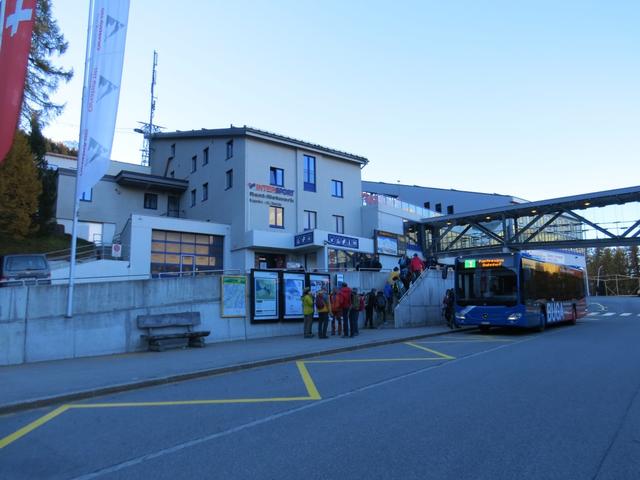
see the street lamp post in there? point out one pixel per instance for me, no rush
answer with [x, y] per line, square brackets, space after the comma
[598, 280]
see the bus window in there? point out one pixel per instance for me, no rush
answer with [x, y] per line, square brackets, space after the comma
[487, 286]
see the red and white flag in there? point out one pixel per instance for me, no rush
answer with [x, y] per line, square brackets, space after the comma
[16, 21]
[105, 55]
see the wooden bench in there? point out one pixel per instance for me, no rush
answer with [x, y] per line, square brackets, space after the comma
[171, 330]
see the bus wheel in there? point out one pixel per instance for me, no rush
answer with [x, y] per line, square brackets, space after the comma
[484, 328]
[543, 321]
[574, 316]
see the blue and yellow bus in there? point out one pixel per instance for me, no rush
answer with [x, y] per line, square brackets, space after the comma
[517, 290]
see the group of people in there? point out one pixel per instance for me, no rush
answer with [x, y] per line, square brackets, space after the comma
[344, 305]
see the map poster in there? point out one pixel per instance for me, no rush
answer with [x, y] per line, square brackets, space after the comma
[234, 296]
[293, 287]
[265, 302]
[317, 282]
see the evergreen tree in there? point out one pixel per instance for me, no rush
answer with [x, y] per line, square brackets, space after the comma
[634, 261]
[19, 190]
[43, 77]
[45, 217]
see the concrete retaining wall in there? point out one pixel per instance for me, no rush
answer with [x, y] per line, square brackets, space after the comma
[422, 305]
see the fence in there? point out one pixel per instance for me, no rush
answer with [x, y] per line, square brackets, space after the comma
[611, 285]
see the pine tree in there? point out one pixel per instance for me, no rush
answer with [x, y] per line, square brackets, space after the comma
[634, 261]
[43, 77]
[19, 190]
[48, 178]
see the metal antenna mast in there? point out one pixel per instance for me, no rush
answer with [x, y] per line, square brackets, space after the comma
[148, 129]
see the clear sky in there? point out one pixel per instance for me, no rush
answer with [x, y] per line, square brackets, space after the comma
[536, 99]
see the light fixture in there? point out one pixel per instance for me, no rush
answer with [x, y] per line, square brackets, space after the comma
[488, 218]
[534, 211]
[586, 204]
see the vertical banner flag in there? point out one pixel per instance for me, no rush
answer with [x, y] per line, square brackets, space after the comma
[105, 55]
[16, 24]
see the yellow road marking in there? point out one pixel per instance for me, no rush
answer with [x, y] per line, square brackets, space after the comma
[170, 403]
[464, 341]
[308, 381]
[435, 352]
[32, 426]
[373, 360]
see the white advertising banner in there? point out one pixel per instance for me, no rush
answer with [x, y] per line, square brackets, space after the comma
[105, 54]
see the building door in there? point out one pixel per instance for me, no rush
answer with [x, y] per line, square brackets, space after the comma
[187, 265]
[173, 206]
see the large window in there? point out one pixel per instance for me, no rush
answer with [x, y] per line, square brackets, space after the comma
[176, 253]
[228, 182]
[151, 201]
[309, 173]
[193, 197]
[205, 191]
[494, 285]
[336, 188]
[339, 222]
[346, 260]
[276, 177]
[547, 280]
[276, 217]
[229, 149]
[205, 156]
[310, 219]
[194, 163]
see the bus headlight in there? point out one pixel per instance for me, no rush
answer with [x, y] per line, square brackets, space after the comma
[514, 316]
[460, 316]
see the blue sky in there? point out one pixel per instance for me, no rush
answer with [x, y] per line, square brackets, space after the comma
[536, 99]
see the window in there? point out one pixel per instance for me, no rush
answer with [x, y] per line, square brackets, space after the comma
[277, 177]
[176, 253]
[151, 201]
[205, 156]
[427, 205]
[194, 163]
[336, 188]
[339, 221]
[439, 207]
[229, 149]
[309, 173]
[193, 197]
[173, 149]
[310, 219]
[228, 182]
[449, 209]
[87, 196]
[276, 217]
[205, 191]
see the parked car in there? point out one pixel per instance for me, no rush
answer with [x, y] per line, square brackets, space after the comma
[24, 269]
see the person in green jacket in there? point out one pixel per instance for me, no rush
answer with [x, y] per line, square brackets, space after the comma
[307, 310]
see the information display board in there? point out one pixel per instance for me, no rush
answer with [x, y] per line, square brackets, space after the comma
[292, 289]
[317, 282]
[233, 296]
[265, 296]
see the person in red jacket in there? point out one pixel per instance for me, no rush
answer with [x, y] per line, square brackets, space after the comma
[345, 300]
[416, 266]
[336, 312]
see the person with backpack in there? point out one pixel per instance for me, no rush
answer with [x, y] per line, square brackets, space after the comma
[336, 312]
[322, 306]
[388, 296]
[354, 312]
[345, 301]
[307, 311]
[369, 305]
[381, 308]
[447, 307]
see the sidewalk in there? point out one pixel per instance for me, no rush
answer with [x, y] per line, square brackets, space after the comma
[35, 385]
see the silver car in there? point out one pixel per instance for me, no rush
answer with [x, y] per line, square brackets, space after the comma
[25, 269]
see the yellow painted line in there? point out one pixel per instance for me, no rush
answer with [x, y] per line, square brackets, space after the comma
[464, 341]
[435, 352]
[32, 426]
[374, 360]
[171, 403]
[308, 381]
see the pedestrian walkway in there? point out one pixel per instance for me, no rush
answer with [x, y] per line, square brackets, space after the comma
[46, 383]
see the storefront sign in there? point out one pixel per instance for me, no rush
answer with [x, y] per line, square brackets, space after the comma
[342, 241]
[303, 239]
[270, 189]
[268, 194]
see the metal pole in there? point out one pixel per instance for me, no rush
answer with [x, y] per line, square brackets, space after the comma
[76, 200]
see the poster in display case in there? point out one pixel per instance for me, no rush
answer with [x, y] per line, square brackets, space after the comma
[316, 282]
[234, 295]
[265, 296]
[292, 289]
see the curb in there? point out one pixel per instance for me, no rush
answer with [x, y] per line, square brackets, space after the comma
[208, 372]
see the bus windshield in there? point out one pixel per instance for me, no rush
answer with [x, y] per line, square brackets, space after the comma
[487, 286]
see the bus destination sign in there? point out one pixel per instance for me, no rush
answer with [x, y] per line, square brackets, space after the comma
[491, 262]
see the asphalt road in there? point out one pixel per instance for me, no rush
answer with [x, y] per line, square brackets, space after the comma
[563, 404]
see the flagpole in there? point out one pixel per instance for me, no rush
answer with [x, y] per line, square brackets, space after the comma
[76, 199]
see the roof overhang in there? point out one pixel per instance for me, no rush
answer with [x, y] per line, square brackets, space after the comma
[151, 182]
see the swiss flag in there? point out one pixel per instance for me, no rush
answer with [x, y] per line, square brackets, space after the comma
[16, 20]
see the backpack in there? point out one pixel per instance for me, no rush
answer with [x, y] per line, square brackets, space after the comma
[355, 301]
[381, 302]
[319, 301]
